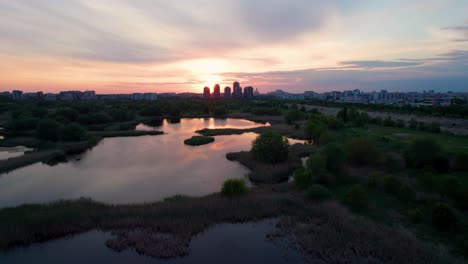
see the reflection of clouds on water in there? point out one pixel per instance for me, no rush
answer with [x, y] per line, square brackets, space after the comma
[135, 169]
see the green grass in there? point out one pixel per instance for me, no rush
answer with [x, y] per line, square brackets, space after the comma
[403, 136]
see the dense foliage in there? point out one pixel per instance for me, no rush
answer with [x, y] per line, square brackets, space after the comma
[270, 147]
[234, 187]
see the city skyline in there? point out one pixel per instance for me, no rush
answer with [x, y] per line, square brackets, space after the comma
[143, 46]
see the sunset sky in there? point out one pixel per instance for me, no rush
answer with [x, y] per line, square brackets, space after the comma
[123, 46]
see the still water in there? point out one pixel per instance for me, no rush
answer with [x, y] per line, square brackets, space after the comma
[225, 243]
[135, 169]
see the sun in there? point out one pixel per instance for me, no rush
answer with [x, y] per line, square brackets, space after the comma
[211, 80]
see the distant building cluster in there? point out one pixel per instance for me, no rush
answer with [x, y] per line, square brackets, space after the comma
[235, 92]
[383, 97]
[76, 96]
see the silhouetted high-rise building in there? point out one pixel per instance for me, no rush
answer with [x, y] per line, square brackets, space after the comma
[217, 91]
[227, 92]
[237, 90]
[248, 92]
[206, 92]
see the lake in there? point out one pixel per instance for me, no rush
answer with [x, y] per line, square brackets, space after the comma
[224, 243]
[135, 169]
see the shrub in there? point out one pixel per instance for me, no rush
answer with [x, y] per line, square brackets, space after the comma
[461, 162]
[271, 148]
[293, 116]
[199, 140]
[302, 178]
[415, 215]
[422, 152]
[400, 123]
[313, 129]
[443, 217]
[449, 185]
[73, 132]
[317, 165]
[427, 180]
[434, 127]
[388, 122]
[413, 124]
[407, 193]
[360, 152]
[318, 192]
[48, 129]
[357, 197]
[335, 158]
[234, 187]
[392, 184]
[373, 179]
[441, 164]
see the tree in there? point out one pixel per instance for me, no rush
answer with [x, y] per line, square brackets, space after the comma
[357, 197]
[313, 129]
[422, 152]
[73, 132]
[335, 158]
[360, 152]
[293, 116]
[271, 148]
[48, 129]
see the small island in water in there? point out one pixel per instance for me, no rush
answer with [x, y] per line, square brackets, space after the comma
[199, 140]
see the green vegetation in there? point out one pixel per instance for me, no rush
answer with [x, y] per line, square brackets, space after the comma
[392, 185]
[356, 197]
[234, 187]
[443, 217]
[318, 192]
[199, 140]
[270, 148]
[391, 173]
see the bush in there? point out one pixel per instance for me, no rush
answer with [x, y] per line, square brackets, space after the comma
[443, 217]
[73, 132]
[461, 162]
[360, 152]
[318, 192]
[415, 216]
[400, 123]
[373, 179]
[441, 164]
[317, 165]
[302, 178]
[48, 129]
[392, 185]
[413, 124]
[357, 197]
[407, 193]
[293, 115]
[313, 129]
[234, 187]
[422, 152]
[434, 127]
[335, 158]
[449, 185]
[388, 122]
[270, 148]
